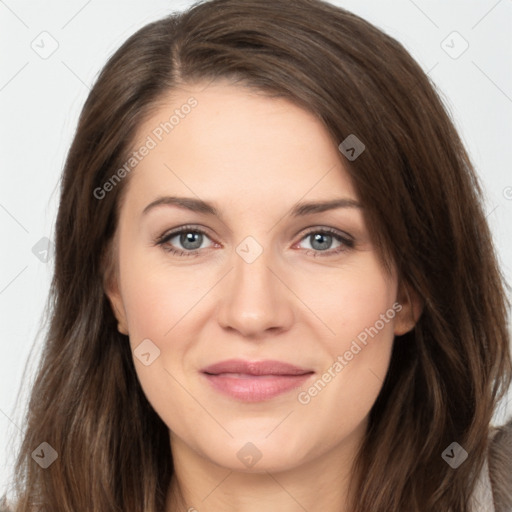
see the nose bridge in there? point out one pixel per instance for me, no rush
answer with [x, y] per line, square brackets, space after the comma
[254, 300]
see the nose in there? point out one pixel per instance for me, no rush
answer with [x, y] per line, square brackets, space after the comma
[254, 300]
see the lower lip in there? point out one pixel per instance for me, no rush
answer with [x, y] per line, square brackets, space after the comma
[252, 388]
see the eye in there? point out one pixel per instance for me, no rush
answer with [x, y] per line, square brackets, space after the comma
[321, 241]
[190, 238]
[189, 241]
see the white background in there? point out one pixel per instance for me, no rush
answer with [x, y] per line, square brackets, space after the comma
[40, 100]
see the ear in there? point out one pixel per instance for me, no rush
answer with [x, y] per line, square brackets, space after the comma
[112, 290]
[409, 314]
[116, 302]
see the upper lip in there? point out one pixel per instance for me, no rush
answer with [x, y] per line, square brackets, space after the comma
[267, 367]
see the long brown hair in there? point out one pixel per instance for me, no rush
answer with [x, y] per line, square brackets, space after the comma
[424, 209]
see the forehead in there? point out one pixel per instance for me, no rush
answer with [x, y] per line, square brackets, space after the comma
[233, 144]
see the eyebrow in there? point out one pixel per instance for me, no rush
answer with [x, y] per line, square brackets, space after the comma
[299, 210]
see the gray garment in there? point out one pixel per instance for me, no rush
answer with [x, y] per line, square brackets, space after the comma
[482, 499]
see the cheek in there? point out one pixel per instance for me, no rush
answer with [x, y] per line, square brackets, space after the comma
[157, 303]
[366, 327]
[158, 297]
[151, 305]
[166, 306]
[350, 301]
[360, 308]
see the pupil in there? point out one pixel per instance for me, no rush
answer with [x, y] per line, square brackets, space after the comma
[191, 240]
[322, 241]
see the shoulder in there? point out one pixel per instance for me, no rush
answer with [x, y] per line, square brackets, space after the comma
[500, 466]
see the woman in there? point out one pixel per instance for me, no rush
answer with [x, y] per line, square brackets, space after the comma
[274, 283]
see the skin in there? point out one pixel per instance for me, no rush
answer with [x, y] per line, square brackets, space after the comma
[254, 158]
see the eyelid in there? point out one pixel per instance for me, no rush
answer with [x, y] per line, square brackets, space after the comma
[196, 228]
[327, 229]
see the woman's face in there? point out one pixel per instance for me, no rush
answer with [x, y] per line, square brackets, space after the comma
[260, 275]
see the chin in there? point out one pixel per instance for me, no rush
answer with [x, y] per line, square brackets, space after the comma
[257, 456]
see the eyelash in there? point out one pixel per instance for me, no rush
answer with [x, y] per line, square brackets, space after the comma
[347, 243]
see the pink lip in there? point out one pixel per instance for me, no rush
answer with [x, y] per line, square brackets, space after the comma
[255, 381]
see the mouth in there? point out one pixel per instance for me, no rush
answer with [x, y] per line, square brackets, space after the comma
[255, 381]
